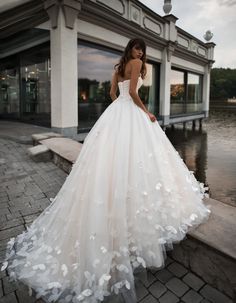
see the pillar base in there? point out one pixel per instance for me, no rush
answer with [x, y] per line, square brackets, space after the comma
[70, 132]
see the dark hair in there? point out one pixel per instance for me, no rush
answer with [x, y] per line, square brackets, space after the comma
[138, 43]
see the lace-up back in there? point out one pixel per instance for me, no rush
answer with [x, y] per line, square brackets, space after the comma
[124, 87]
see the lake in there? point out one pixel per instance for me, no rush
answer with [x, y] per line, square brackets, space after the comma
[210, 152]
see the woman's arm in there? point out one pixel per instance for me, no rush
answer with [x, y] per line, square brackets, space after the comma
[136, 65]
[114, 86]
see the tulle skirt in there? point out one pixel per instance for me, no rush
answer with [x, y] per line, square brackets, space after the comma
[128, 198]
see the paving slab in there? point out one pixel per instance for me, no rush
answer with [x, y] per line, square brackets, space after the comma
[214, 295]
[176, 286]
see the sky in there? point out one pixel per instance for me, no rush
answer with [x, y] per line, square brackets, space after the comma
[198, 16]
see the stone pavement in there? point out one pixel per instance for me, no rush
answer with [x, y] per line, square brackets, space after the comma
[25, 190]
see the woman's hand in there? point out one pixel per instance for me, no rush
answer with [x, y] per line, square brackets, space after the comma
[152, 117]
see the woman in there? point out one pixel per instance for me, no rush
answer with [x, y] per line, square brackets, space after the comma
[128, 197]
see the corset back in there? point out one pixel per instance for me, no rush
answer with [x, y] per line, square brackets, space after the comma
[124, 86]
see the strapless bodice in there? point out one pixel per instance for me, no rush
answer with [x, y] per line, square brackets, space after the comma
[124, 86]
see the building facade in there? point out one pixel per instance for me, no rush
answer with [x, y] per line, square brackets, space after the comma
[57, 58]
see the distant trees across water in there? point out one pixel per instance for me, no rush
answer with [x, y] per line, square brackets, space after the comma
[223, 83]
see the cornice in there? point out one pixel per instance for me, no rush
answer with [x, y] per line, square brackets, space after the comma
[22, 17]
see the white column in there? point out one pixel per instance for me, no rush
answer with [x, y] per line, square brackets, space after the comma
[206, 90]
[64, 78]
[165, 88]
[171, 37]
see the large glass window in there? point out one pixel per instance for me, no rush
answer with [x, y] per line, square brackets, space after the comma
[185, 92]
[95, 69]
[35, 86]
[9, 92]
[194, 101]
[149, 90]
[177, 92]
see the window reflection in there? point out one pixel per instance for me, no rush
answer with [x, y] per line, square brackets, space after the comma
[177, 92]
[194, 93]
[95, 68]
[36, 89]
[9, 92]
[148, 91]
[186, 92]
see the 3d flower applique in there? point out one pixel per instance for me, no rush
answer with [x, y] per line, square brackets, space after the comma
[115, 287]
[122, 267]
[127, 284]
[158, 186]
[57, 250]
[39, 266]
[161, 241]
[64, 270]
[104, 278]
[89, 277]
[4, 265]
[85, 293]
[193, 216]
[144, 193]
[54, 284]
[92, 236]
[75, 265]
[141, 261]
[133, 248]
[103, 249]
[171, 229]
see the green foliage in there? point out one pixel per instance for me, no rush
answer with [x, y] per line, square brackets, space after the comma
[223, 83]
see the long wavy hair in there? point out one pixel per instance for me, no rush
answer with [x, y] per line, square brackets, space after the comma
[127, 55]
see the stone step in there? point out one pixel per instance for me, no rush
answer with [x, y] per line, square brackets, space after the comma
[40, 153]
[42, 136]
[65, 151]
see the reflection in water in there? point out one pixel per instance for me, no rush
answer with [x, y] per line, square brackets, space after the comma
[210, 153]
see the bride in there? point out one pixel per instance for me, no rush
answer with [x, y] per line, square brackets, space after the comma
[128, 198]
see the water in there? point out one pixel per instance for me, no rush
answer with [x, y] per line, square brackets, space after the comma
[210, 152]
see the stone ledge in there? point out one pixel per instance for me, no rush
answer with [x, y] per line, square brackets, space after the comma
[66, 148]
[40, 153]
[42, 136]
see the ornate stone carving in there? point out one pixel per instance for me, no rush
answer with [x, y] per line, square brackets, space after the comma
[116, 5]
[182, 41]
[135, 14]
[201, 51]
[70, 8]
[152, 25]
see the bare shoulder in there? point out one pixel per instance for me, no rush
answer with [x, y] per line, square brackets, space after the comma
[136, 62]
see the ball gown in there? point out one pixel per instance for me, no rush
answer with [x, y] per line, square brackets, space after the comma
[127, 199]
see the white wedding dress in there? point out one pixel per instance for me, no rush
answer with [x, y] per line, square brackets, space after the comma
[128, 197]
